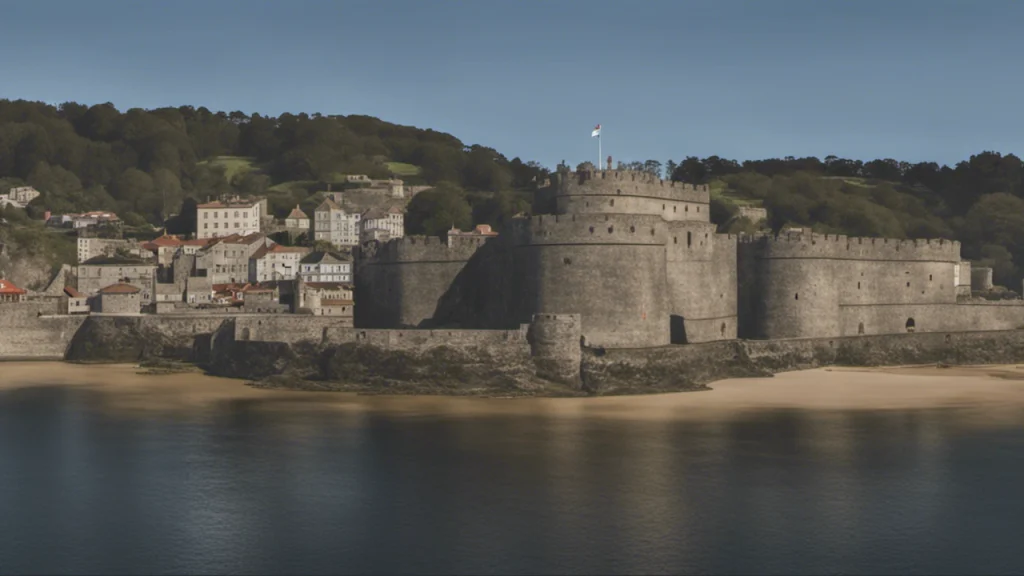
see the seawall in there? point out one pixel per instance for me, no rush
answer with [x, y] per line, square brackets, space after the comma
[541, 358]
[33, 331]
[674, 368]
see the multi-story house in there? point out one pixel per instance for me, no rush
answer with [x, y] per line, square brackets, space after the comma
[226, 260]
[391, 221]
[89, 247]
[102, 271]
[325, 267]
[275, 263]
[167, 247]
[297, 220]
[333, 224]
[326, 299]
[230, 216]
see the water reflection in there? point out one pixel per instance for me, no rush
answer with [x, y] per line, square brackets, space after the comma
[234, 487]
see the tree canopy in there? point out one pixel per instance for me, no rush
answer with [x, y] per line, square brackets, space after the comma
[145, 162]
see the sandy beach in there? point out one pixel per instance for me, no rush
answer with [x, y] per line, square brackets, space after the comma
[901, 388]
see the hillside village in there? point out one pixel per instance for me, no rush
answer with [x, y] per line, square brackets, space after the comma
[230, 264]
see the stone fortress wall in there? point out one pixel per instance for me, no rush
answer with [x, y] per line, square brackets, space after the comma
[639, 261]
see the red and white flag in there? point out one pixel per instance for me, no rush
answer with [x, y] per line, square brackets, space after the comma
[596, 132]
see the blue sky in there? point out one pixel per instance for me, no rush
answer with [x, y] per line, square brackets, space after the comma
[913, 80]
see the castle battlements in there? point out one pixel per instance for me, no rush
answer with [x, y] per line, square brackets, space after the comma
[627, 183]
[426, 249]
[838, 246]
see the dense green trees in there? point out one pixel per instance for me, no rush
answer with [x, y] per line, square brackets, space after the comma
[143, 163]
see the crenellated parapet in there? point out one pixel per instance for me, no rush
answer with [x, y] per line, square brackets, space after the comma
[426, 249]
[627, 183]
[589, 229]
[841, 247]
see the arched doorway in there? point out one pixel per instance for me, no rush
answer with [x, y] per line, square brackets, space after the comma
[910, 325]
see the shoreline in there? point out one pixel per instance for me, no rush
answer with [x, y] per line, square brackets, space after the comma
[818, 390]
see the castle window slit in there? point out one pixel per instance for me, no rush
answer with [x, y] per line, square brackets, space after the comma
[689, 240]
[796, 296]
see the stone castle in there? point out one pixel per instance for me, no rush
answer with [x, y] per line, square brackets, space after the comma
[639, 261]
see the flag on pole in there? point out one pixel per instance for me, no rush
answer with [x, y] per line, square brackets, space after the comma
[596, 132]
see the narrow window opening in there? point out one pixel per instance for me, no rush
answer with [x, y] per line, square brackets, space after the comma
[611, 229]
[860, 328]
[858, 285]
[591, 229]
[567, 260]
[929, 277]
[632, 229]
[796, 296]
[911, 325]
[675, 240]
[689, 240]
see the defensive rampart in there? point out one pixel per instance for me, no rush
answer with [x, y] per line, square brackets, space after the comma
[32, 330]
[402, 284]
[793, 285]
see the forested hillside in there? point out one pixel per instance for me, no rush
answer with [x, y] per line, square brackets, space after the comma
[143, 163]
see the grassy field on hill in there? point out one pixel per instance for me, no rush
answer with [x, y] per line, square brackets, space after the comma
[232, 165]
[400, 169]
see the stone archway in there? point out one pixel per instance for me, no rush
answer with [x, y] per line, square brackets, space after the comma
[911, 325]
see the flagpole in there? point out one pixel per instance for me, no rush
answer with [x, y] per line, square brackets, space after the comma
[598, 150]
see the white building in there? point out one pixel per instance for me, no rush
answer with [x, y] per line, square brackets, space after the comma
[93, 247]
[297, 220]
[19, 197]
[334, 225]
[226, 260]
[23, 194]
[276, 263]
[325, 267]
[391, 221]
[233, 216]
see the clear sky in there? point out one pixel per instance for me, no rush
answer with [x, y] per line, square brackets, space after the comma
[908, 79]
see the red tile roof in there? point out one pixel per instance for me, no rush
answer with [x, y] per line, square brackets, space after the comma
[8, 287]
[298, 214]
[72, 292]
[120, 288]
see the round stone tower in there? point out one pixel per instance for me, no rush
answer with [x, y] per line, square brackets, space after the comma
[796, 290]
[607, 268]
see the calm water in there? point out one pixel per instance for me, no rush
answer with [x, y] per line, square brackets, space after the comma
[237, 488]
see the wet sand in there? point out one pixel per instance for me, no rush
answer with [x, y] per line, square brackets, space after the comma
[899, 388]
